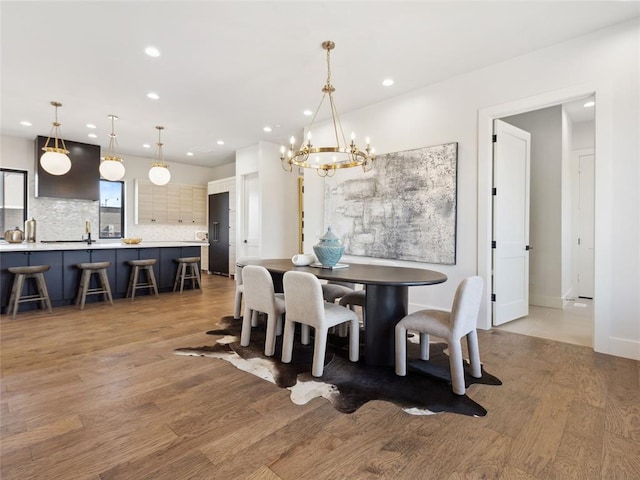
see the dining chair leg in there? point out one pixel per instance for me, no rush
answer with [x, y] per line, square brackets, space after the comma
[238, 304]
[304, 334]
[319, 347]
[455, 365]
[270, 340]
[401, 350]
[424, 346]
[354, 340]
[245, 335]
[287, 341]
[474, 354]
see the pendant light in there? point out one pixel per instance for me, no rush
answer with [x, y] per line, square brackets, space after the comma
[54, 160]
[111, 167]
[159, 173]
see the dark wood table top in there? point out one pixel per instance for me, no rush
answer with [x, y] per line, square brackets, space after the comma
[358, 273]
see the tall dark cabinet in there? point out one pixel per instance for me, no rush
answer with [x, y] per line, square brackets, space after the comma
[219, 233]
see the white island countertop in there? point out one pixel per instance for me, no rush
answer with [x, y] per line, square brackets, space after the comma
[99, 245]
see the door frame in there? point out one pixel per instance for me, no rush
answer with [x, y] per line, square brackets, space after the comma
[576, 226]
[603, 192]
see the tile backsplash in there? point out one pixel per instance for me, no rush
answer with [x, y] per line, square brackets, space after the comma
[64, 219]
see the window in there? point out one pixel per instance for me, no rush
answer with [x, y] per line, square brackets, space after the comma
[111, 209]
[13, 198]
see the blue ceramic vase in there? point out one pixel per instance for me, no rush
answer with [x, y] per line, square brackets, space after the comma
[329, 250]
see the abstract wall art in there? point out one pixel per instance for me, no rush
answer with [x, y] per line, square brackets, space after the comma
[405, 209]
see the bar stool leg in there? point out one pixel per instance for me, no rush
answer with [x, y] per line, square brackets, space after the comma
[104, 280]
[196, 272]
[16, 293]
[86, 280]
[80, 289]
[178, 276]
[130, 285]
[151, 279]
[12, 297]
[43, 292]
[136, 273]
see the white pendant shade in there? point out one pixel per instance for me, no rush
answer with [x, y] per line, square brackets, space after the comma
[55, 163]
[112, 170]
[112, 167]
[159, 175]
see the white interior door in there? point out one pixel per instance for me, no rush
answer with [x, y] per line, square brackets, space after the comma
[511, 170]
[250, 216]
[586, 208]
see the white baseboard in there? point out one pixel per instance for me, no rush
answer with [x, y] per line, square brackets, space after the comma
[544, 301]
[622, 347]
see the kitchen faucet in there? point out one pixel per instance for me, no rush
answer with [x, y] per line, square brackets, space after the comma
[87, 230]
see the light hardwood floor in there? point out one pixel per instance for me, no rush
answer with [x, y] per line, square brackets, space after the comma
[98, 394]
[573, 324]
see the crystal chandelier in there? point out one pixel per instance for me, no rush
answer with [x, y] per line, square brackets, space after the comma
[54, 160]
[159, 173]
[327, 159]
[111, 167]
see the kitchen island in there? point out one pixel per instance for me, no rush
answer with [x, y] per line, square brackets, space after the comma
[63, 276]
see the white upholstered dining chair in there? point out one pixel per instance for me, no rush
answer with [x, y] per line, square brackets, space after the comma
[333, 290]
[451, 326]
[259, 296]
[305, 305]
[359, 297]
[237, 311]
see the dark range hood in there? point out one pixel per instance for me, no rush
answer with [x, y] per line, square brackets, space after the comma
[81, 182]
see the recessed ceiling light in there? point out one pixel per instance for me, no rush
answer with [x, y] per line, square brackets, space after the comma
[90, 125]
[153, 96]
[387, 82]
[25, 123]
[267, 129]
[92, 135]
[189, 154]
[152, 51]
[220, 142]
[307, 113]
[146, 145]
[590, 103]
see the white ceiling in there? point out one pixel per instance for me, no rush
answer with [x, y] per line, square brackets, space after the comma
[228, 69]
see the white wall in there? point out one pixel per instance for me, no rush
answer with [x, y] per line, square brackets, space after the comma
[461, 109]
[278, 200]
[582, 136]
[224, 171]
[545, 259]
[63, 219]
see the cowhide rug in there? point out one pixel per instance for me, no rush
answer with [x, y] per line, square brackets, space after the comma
[424, 391]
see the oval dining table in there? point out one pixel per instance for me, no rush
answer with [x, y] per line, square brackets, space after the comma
[387, 297]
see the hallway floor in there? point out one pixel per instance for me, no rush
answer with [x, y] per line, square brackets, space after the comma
[572, 325]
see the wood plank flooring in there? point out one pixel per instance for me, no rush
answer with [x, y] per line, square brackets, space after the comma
[98, 394]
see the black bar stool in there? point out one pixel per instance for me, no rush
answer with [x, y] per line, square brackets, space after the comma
[188, 269]
[21, 274]
[99, 268]
[147, 266]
